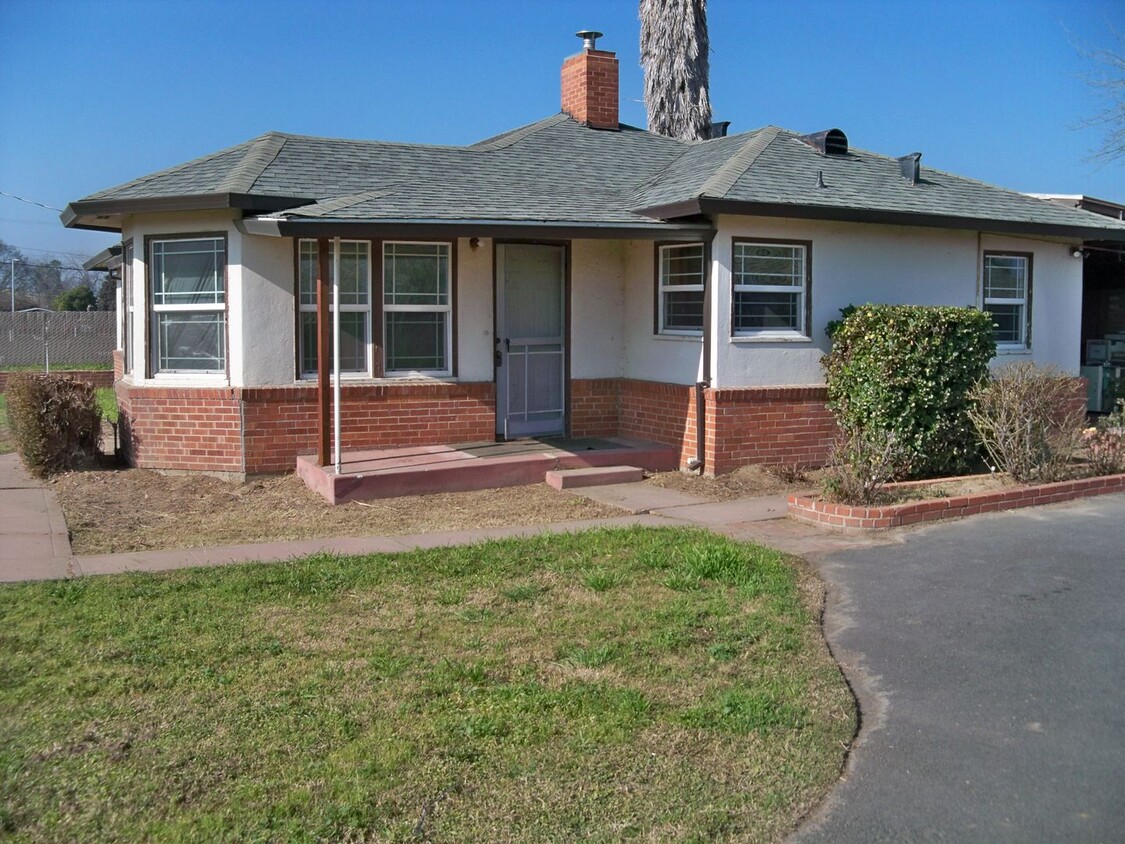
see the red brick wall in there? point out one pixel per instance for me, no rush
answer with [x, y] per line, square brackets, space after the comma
[184, 428]
[118, 364]
[589, 88]
[663, 413]
[207, 429]
[768, 425]
[280, 422]
[595, 407]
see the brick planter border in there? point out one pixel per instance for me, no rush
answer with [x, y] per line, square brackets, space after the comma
[843, 517]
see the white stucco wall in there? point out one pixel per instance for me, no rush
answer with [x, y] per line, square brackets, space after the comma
[853, 263]
[648, 355]
[475, 331]
[262, 327]
[597, 312]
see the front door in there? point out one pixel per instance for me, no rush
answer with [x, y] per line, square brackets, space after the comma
[530, 340]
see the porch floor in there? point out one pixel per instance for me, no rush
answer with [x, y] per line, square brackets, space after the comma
[421, 470]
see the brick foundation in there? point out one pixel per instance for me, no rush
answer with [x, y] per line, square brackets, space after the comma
[849, 519]
[262, 429]
[766, 425]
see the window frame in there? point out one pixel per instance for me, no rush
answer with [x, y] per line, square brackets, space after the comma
[449, 309]
[803, 291]
[369, 308]
[662, 288]
[128, 307]
[153, 310]
[985, 300]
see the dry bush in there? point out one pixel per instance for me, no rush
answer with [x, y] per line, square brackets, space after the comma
[55, 421]
[1105, 444]
[862, 461]
[1030, 420]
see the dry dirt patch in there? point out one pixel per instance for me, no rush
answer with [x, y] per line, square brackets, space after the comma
[137, 509]
[747, 482]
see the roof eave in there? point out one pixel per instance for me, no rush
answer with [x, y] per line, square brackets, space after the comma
[86, 213]
[550, 229]
[883, 216]
[108, 259]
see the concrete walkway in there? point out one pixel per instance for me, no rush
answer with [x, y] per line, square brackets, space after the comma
[34, 542]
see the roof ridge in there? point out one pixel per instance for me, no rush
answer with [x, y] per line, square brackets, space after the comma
[263, 151]
[722, 180]
[514, 136]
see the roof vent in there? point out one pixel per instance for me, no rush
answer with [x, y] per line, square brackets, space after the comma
[719, 128]
[589, 38]
[911, 167]
[828, 142]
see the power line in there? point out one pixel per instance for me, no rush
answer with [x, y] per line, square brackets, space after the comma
[82, 255]
[30, 201]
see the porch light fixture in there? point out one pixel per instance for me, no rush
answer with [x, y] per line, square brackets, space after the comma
[1076, 252]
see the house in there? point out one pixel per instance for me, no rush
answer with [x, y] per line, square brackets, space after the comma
[573, 276]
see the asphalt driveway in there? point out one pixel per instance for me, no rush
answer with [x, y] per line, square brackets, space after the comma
[988, 656]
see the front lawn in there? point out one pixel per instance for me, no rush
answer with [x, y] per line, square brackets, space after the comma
[655, 685]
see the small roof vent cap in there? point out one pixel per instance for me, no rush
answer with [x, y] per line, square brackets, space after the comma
[589, 38]
[828, 142]
[911, 167]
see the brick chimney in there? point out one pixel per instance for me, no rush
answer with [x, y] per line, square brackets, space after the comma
[589, 85]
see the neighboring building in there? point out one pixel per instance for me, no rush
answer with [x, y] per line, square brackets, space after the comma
[572, 276]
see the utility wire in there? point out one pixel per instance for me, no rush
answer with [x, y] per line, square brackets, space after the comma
[30, 201]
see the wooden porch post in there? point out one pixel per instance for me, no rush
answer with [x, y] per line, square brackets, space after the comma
[323, 346]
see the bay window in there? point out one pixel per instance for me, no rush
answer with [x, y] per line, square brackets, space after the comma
[355, 305]
[187, 282]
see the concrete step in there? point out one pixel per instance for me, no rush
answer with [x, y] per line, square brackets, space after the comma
[594, 476]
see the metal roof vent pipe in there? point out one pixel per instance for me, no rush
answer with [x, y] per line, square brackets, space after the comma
[719, 128]
[911, 167]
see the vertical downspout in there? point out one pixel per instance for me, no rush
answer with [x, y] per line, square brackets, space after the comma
[699, 463]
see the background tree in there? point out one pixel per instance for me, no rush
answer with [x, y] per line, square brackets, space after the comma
[674, 55]
[1108, 81]
[107, 294]
[80, 298]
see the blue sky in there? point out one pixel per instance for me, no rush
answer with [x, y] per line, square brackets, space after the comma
[97, 93]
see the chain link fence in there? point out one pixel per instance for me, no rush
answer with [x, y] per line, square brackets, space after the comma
[56, 338]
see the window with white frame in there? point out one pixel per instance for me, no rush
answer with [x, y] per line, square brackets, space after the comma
[355, 305]
[1007, 297]
[681, 277]
[417, 308]
[187, 279]
[770, 288]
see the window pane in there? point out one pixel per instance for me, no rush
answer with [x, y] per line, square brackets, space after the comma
[767, 264]
[191, 342]
[681, 264]
[353, 342]
[187, 272]
[683, 311]
[766, 310]
[415, 342]
[307, 262]
[416, 274]
[1005, 277]
[1009, 323]
[353, 273]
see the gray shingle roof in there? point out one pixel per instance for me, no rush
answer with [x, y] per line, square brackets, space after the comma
[557, 171]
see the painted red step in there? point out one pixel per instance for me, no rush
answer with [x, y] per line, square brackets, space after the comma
[594, 476]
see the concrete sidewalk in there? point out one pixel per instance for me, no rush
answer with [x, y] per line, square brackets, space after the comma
[34, 543]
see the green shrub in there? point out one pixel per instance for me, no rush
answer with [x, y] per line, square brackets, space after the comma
[55, 421]
[908, 370]
[1030, 419]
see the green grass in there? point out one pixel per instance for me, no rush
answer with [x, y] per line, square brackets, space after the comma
[487, 693]
[107, 402]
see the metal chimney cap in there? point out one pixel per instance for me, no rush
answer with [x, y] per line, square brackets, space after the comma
[589, 38]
